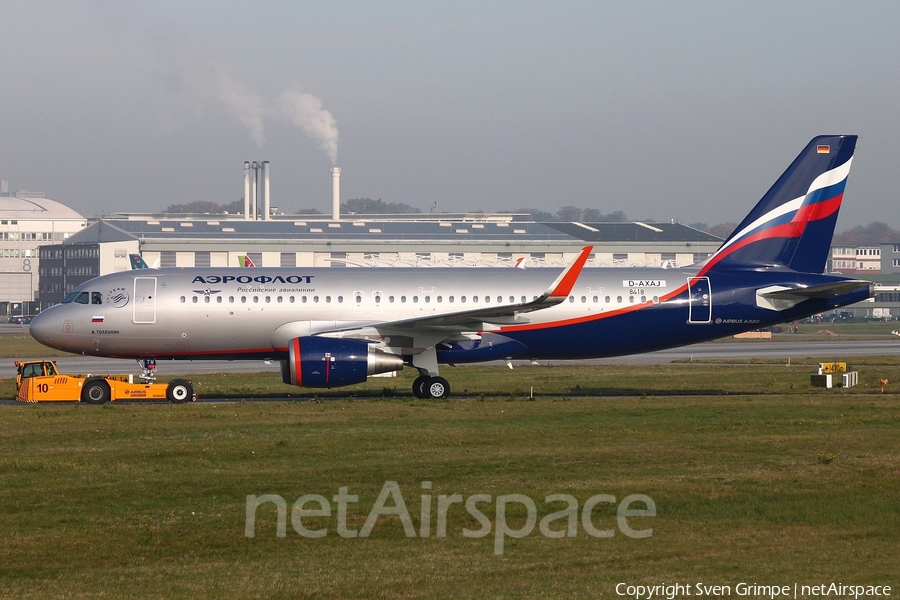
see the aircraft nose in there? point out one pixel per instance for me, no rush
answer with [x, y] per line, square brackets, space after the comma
[44, 329]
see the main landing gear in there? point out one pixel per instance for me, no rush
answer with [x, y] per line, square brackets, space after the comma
[428, 387]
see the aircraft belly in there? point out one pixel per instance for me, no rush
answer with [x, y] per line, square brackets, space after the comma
[489, 347]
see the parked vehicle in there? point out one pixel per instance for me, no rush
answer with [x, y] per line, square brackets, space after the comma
[41, 381]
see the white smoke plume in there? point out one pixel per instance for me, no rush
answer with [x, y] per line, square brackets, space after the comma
[245, 105]
[199, 77]
[306, 112]
[197, 73]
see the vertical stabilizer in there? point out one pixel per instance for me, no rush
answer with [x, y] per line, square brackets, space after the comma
[793, 224]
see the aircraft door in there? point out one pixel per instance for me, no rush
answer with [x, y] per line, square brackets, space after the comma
[699, 301]
[145, 299]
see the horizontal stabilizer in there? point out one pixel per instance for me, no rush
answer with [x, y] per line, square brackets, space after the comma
[779, 297]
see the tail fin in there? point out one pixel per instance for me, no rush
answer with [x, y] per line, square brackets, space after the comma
[137, 262]
[793, 224]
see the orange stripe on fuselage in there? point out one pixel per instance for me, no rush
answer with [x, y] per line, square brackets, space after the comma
[589, 318]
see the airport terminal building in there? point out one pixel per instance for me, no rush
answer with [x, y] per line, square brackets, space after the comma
[28, 220]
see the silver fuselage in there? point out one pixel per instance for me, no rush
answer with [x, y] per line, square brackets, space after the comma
[229, 313]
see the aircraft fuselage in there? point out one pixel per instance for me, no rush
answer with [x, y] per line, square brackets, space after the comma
[221, 313]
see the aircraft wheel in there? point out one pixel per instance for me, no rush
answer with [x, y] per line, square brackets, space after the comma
[179, 391]
[418, 387]
[95, 392]
[437, 387]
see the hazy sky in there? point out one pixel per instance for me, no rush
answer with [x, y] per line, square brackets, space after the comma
[686, 110]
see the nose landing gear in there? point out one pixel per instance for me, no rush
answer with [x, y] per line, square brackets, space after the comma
[148, 369]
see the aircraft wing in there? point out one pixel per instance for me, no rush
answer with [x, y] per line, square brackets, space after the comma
[781, 298]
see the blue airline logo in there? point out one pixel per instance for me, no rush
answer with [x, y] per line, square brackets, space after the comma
[253, 279]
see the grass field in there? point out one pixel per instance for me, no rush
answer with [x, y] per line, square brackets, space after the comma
[755, 477]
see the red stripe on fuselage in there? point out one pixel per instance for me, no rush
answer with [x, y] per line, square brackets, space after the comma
[589, 318]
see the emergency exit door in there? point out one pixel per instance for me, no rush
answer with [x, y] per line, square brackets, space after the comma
[699, 301]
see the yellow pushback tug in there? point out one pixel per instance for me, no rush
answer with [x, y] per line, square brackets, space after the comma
[41, 381]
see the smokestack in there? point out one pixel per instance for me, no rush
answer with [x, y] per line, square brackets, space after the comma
[267, 215]
[254, 190]
[335, 194]
[247, 190]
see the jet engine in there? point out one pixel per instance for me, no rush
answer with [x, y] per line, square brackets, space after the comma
[321, 362]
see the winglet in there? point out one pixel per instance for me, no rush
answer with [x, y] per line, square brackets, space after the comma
[563, 285]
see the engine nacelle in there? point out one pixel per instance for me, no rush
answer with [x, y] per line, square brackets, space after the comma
[321, 362]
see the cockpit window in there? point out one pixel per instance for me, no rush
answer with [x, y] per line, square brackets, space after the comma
[96, 298]
[82, 298]
[70, 298]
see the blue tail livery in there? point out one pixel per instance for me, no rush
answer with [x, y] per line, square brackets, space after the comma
[793, 224]
[333, 327]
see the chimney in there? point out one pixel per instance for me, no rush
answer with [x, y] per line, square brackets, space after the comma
[335, 194]
[247, 190]
[267, 214]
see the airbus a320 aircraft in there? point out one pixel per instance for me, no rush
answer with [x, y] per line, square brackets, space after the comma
[334, 327]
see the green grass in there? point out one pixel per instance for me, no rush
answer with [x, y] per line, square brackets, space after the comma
[756, 477]
[25, 346]
[753, 480]
[752, 377]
